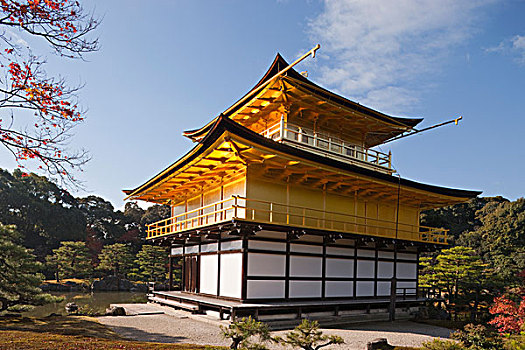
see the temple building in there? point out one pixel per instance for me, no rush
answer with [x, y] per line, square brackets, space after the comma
[286, 207]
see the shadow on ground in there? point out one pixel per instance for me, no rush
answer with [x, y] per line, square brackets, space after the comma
[63, 325]
[136, 333]
[398, 327]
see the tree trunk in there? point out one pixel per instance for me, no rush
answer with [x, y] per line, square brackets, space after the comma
[5, 304]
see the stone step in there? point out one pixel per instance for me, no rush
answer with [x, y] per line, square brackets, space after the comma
[335, 321]
[173, 303]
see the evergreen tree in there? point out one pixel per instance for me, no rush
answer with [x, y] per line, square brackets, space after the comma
[500, 240]
[116, 258]
[307, 336]
[247, 334]
[151, 263]
[71, 259]
[19, 277]
[459, 272]
[44, 214]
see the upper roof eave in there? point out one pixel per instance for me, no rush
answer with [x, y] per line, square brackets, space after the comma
[280, 63]
[223, 124]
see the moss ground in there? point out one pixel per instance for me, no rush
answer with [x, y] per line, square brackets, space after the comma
[67, 332]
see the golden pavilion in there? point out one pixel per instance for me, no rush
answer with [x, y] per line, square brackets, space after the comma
[286, 207]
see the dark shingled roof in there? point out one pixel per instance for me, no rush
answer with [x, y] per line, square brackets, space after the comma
[278, 64]
[222, 124]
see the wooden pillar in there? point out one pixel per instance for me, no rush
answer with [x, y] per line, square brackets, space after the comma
[376, 265]
[219, 264]
[323, 273]
[170, 267]
[392, 307]
[287, 269]
[183, 272]
[244, 285]
[356, 243]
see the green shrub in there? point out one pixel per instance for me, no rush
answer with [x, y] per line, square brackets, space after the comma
[242, 334]
[478, 337]
[307, 336]
[515, 342]
[438, 344]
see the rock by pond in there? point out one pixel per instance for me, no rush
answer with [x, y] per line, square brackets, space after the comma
[71, 307]
[115, 311]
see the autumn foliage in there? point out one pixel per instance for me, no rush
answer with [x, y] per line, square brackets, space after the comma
[38, 112]
[509, 309]
[510, 315]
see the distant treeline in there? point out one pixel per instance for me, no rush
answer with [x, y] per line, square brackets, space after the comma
[493, 227]
[46, 215]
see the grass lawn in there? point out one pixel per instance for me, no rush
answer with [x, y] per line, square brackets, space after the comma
[69, 332]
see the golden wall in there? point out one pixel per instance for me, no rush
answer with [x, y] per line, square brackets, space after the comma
[282, 203]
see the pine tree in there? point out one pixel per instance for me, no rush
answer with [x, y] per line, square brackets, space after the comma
[307, 336]
[151, 262]
[116, 258]
[19, 277]
[71, 259]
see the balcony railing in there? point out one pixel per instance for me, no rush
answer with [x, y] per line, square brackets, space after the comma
[258, 211]
[328, 145]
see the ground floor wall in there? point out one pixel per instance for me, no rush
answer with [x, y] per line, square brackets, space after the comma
[273, 266]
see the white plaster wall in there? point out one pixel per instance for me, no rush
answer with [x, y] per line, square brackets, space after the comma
[265, 289]
[210, 247]
[385, 255]
[276, 246]
[305, 266]
[231, 245]
[176, 251]
[305, 289]
[304, 248]
[231, 275]
[383, 289]
[366, 253]
[406, 270]
[407, 256]
[208, 273]
[191, 249]
[339, 267]
[365, 289]
[365, 269]
[266, 264]
[385, 269]
[340, 251]
[339, 289]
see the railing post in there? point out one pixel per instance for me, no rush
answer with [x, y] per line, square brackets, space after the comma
[390, 159]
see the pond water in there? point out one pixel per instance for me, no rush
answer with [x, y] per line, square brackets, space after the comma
[97, 301]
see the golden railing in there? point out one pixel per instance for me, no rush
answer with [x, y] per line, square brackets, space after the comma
[259, 211]
[325, 143]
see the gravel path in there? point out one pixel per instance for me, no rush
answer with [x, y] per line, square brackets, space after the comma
[181, 327]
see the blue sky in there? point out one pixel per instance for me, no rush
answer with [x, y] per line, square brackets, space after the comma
[168, 66]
